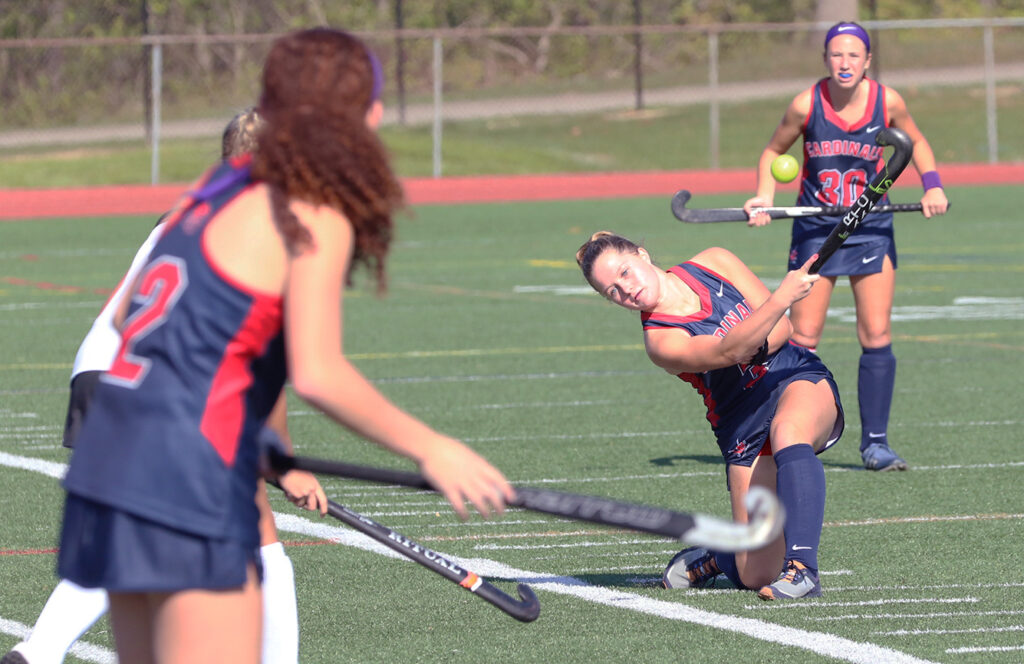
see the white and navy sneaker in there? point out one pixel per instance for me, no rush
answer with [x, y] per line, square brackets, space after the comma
[880, 457]
[795, 582]
[14, 657]
[694, 567]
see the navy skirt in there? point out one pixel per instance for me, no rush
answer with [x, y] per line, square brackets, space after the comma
[105, 547]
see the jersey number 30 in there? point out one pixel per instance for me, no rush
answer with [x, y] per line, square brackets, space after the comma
[159, 288]
[841, 188]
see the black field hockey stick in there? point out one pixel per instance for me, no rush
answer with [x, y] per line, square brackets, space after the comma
[524, 609]
[765, 514]
[903, 150]
[716, 215]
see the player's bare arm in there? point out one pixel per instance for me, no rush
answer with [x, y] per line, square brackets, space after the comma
[783, 138]
[933, 201]
[677, 352]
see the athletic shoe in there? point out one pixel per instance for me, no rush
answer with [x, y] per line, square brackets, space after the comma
[13, 657]
[880, 457]
[795, 582]
[694, 567]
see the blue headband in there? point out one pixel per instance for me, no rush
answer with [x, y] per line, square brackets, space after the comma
[848, 29]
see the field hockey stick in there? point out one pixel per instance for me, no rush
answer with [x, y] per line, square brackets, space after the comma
[765, 514]
[525, 609]
[716, 215]
[903, 150]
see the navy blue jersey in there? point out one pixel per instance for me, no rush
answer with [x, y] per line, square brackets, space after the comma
[737, 394]
[840, 159]
[171, 431]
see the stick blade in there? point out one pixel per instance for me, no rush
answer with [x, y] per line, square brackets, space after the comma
[529, 606]
[765, 518]
[702, 216]
[679, 201]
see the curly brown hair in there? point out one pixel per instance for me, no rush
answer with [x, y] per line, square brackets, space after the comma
[315, 145]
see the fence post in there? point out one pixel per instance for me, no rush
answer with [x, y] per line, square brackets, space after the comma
[990, 96]
[154, 131]
[400, 61]
[714, 119]
[438, 75]
[638, 54]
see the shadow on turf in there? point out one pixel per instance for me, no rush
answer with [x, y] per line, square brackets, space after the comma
[670, 461]
[638, 579]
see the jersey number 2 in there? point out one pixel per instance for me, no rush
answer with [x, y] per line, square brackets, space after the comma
[159, 288]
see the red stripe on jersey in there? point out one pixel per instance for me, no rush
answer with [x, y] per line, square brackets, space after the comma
[833, 117]
[697, 287]
[709, 402]
[224, 413]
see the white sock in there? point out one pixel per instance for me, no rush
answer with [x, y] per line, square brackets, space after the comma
[280, 608]
[69, 612]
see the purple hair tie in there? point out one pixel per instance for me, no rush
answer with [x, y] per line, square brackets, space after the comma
[848, 29]
[378, 75]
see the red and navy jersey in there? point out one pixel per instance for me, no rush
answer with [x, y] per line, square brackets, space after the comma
[171, 431]
[840, 158]
[731, 394]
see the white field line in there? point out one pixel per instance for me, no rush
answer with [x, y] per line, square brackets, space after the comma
[973, 630]
[35, 306]
[828, 645]
[620, 554]
[925, 519]
[910, 616]
[19, 431]
[50, 468]
[984, 649]
[20, 415]
[853, 589]
[571, 545]
[867, 602]
[81, 649]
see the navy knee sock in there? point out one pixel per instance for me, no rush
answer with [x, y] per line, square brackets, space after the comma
[800, 484]
[875, 381]
[727, 563]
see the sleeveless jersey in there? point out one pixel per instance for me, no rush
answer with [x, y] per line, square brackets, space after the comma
[171, 431]
[731, 394]
[840, 159]
[100, 345]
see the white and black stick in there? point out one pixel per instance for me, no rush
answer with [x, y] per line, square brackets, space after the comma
[525, 609]
[765, 514]
[874, 191]
[716, 215]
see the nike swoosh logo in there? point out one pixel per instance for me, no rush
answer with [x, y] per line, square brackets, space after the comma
[721, 286]
[868, 259]
[844, 28]
[872, 130]
[876, 435]
[799, 548]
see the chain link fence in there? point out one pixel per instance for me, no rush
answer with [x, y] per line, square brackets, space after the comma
[707, 96]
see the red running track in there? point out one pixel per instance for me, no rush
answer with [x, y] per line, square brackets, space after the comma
[155, 200]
